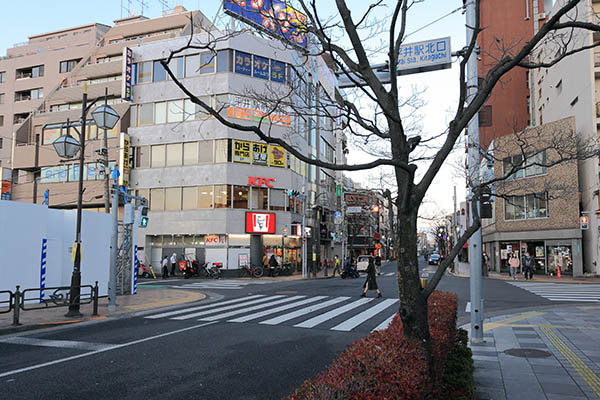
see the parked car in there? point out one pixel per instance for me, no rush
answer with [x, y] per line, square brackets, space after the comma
[362, 263]
[434, 259]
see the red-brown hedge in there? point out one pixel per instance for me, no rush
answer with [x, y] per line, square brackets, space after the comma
[386, 365]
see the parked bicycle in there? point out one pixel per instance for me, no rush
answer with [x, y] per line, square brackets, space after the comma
[254, 271]
[212, 270]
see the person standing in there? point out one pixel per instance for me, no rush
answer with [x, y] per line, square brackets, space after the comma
[371, 282]
[336, 265]
[528, 266]
[165, 267]
[485, 261]
[378, 264]
[514, 263]
[273, 262]
[173, 264]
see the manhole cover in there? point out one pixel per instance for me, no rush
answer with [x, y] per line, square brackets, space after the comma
[527, 353]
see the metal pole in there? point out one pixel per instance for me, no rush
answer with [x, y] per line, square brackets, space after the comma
[304, 261]
[114, 243]
[76, 277]
[105, 162]
[473, 150]
[454, 233]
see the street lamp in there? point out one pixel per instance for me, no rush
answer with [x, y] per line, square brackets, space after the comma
[66, 147]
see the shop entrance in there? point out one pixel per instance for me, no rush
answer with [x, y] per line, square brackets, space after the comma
[560, 256]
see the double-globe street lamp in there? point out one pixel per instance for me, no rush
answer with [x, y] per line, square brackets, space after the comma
[67, 147]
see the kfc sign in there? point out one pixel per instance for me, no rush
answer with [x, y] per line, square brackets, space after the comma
[260, 222]
[260, 181]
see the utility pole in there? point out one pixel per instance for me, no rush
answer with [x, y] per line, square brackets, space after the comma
[305, 273]
[454, 233]
[105, 162]
[114, 248]
[473, 174]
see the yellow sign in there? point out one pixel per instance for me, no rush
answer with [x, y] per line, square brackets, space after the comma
[124, 160]
[242, 151]
[276, 156]
[74, 253]
[314, 256]
[259, 154]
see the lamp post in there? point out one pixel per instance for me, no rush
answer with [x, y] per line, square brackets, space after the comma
[67, 147]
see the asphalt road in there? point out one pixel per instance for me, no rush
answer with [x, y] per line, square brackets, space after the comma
[208, 356]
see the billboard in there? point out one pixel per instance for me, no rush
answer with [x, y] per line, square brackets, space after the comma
[272, 16]
[242, 151]
[258, 222]
[127, 74]
[276, 156]
[124, 155]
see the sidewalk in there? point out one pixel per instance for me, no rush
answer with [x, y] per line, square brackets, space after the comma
[462, 270]
[147, 297]
[540, 355]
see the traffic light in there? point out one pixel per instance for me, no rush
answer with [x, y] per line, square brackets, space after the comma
[584, 222]
[293, 193]
[375, 208]
[485, 209]
[143, 216]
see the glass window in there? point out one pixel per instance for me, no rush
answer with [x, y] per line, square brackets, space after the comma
[277, 200]
[37, 71]
[174, 154]
[515, 162]
[222, 196]
[207, 61]
[205, 152]
[190, 153]
[160, 73]
[2, 76]
[74, 173]
[90, 130]
[192, 65]
[144, 70]
[240, 196]
[260, 198]
[261, 67]
[201, 113]
[189, 110]
[67, 66]
[145, 114]
[175, 111]
[2, 98]
[205, 196]
[537, 205]
[158, 156]
[157, 199]
[92, 171]
[222, 151]
[536, 164]
[190, 198]
[177, 67]
[173, 199]
[514, 207]
[243, 63]
[160, 112]
[224, 60]
[142, 157]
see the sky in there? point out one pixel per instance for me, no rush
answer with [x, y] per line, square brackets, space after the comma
[440, 95]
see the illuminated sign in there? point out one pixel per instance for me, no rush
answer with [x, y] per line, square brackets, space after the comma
[276, 156]
[212, 240]
[356, 199]
[260, 222]
[242, 151]
[272, 16]
[259, 154]
[124, 160]
[127, 74]
[259, 181]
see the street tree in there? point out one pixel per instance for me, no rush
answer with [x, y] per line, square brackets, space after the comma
[381, 114]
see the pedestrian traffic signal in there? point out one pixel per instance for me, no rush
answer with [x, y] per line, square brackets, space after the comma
[293, 193]
[143, 216]
[584, 222]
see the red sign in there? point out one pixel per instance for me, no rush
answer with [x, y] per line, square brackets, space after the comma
[259, 181]
[377, 236]
[257, 222]
[5, 186]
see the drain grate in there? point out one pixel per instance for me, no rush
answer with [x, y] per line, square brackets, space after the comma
[527, 353]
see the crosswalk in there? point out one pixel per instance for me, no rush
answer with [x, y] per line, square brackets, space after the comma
[227, 284]
[562, 292]
[340, 313]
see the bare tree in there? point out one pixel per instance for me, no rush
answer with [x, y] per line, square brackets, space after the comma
[381, 117]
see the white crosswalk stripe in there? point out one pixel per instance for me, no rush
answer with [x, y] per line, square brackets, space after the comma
[335, 313]
[562, 291]
[389, 274]
[227, 284]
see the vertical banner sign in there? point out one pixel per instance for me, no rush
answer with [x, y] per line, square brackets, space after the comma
[242, 151]
[43, 269]
[259, 154]
[127, 74]
[124, 160]
[276, 156]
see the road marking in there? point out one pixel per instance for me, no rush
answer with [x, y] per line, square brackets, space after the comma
[253, 308]
[230, 307]
[319, 319]
[390, 274]
[488, 326]
[384, 324]
[276, 310]
[117, 346]
[589, 293]
[580, 366]
[177, 312]
[303, 311]
[358, 319]
[65, 344]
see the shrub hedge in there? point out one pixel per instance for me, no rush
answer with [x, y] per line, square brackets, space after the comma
[386, 365]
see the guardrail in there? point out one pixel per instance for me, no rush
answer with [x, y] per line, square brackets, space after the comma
[59, 297]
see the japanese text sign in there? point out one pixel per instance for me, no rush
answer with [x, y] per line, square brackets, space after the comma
[424, 54]
[127, 74]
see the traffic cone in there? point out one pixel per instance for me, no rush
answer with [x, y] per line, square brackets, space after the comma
[558, 272]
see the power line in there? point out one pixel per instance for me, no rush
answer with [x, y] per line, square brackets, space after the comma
[433, 22]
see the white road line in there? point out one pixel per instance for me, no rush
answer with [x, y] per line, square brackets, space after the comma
[253, 308]
[310, 323]
[358, 319]
[385, 323]
[390, 274]
[219, 309]
[575, 299]
[117, 346]
[185, 310]
[65, 344]
[276, 310]
[303, 311]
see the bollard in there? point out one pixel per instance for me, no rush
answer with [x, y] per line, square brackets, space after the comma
[95, 298]
[17, 305]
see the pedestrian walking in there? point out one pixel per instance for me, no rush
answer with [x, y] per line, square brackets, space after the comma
[371, 282]
[165, 267]
[273, 262]
[528, 266]
[173, 264]
[485, 261]
[378, 264]
[514, 263]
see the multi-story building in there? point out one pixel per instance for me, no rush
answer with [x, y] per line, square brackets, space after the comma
[533, 209]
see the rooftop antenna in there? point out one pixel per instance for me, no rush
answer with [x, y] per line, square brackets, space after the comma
[142, 5]
[126, 8]
[165, 6]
